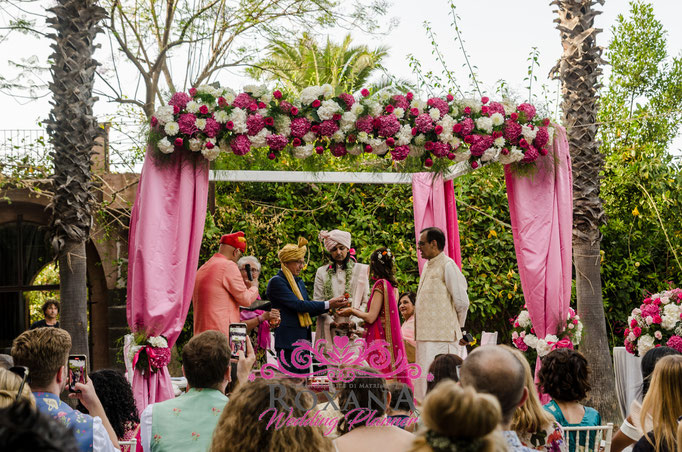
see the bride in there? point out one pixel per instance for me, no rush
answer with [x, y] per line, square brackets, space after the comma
[382, 320]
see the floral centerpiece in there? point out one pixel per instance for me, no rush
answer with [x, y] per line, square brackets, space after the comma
[524, 337]
[149, 353]
[441, 130]
[657, 322]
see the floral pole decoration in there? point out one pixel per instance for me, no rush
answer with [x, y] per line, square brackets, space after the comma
[523, 335]
[150, 353]
[657, 322]
[212, 120]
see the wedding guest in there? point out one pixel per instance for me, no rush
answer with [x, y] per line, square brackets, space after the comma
[442, 305]
[116, 396]
[535, 427]
[663, 402]
[460, 419]
[25, 429]
[382, 322]
[243, 426]
[495, 370]
[11, 384]
[343, 275]
[406, 302]
[357, 400]
[401, 407]
[564, 376]
[442, 368]
[45, 351]
[631, 430]
[257, 321]
[50, 310]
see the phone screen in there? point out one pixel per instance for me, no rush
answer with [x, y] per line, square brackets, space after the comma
[237, 338]
[77, 371]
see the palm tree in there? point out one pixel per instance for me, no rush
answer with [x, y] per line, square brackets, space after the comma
[579, 71]
[73, 129]
[344, 66]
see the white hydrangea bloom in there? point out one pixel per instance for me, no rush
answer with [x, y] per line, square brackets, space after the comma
[349, 116]
[339, 136]
[665, 300]
[171, 128]
[220, 116]
[200, 123]
[454, 111]
[225, 92]
[416, 151]
[309, 94]
[195, 144]
[309, 137]
[379, 147]
[164, 114]
[230, 96]
[259, 140]
[434, 113]
[328, 109]
[418, 104]
[165, 146]
[238, 118]
[357, 109]
[420, 139]
[490, 154]
[255, 90]
[515, 155]
[484, 123]
[508, 108]
[497, 119]
[474, 104]
[543, 347]
[524, 319]
[283, 125]
[267, 97]
[399, 112]
[499, 142]
[205, 89]
[644, 344]
[302, 152]
[375, 108]
[384, 96]
[262, 111]
[530, 340]
[210, 154]
[327, 90]
[528, 133]
[455, 142]
[157, 341]
[462, 156]
[192, 106]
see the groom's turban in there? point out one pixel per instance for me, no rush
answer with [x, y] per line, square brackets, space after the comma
[336, 237]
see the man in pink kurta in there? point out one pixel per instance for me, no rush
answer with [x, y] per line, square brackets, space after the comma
[219, 289]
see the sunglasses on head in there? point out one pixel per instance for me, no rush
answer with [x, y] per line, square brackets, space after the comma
[21, 372]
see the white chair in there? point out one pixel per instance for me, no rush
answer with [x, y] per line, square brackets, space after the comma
[132, 443]
[488, 338]
[589, 439]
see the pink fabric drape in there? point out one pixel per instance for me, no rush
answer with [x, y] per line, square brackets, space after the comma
[166, 228]
[434, 205]
[541, 210]
[388, 321]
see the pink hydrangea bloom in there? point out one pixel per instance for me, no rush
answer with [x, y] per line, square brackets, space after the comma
[400, 101]
[212, 128]
[676, 343]
[496, 107]
[467, 126]
[481, 144]
[328, 128]
[179, 100]
[299, 127]
[241, 145]
[520, 344]
[424, 123]
[637, 331]
[530, 155]
[440, 104]
[186, 123]
[276, 142]
[541, 138]
[338, 150]
[347, 99]
[285, 106]
[650, 310]
[633, 323]
[255, 124]
[388, 125]
[630, 347]
[243, 101]
[365, 124]
[440, 149]
[512, 131]
[400, 153]
[528, 109]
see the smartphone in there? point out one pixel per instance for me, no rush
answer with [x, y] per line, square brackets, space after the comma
[468, 338]
[237, 338]
[78, 368]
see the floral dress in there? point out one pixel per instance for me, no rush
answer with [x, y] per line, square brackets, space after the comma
[551, 439]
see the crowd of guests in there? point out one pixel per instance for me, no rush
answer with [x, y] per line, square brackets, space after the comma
[486, 402]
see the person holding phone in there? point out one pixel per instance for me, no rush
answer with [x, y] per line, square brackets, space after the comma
[287, 292]
[45, 351]
[219, 289]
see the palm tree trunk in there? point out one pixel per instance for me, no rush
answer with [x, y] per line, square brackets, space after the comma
[579, 70]
[73, 293]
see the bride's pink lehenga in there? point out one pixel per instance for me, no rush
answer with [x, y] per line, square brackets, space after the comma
[387, 328]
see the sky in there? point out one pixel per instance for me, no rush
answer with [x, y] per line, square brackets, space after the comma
[499, 36]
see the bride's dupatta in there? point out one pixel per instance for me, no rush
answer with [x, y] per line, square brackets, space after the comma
[389, 331]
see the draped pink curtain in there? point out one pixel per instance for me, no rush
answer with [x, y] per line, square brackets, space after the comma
[434, 205]
[541, 210]
[166, 228]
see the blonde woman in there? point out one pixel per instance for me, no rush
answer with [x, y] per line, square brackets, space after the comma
[663, 402]
[535, 427]
[10, 384]
[459, 418]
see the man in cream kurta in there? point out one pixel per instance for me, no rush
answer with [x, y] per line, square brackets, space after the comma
[441, 308]
[342, 275]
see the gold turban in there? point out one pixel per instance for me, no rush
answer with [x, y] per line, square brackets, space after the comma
[292, 252]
